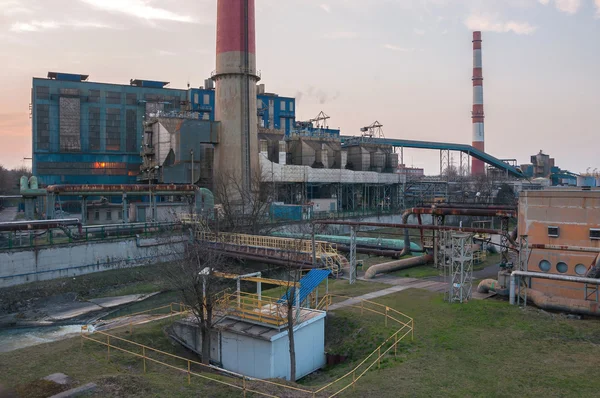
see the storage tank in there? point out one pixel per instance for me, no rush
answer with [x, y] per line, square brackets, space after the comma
[377, 161]
[33, 182]
[24, 183]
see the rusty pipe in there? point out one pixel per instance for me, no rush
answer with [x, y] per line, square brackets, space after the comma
[397, 265]
[565, 248]
[101, 188]
[413, 226]
[474, 206]
[562, 304]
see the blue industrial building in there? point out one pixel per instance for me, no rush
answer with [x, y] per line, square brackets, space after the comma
[91, 133]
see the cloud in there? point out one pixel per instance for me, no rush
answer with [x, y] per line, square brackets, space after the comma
[419, 32]
[396, 48]
[321, 96]
[325, 7]
[491, 23]
[341, 35]
[13, 7]
[138, 8]
[37, 26]
[568, 6]
[597, 8]
[544, 2]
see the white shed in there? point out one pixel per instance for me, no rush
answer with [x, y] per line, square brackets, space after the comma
[261, 351]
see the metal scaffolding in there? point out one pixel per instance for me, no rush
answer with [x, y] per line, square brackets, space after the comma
[459, 275]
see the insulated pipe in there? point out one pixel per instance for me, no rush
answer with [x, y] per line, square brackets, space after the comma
[366, 250]
[562, 304]
[39, 224]
[413, 226]
[554, 277]
[486, 285]
[397, 265]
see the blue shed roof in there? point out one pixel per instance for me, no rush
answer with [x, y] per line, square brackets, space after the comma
[308, 284]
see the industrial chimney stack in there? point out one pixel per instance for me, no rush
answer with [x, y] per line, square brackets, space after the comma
[477, 166]
[236, 155]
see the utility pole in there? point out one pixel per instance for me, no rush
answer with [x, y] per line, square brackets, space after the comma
[192, 154]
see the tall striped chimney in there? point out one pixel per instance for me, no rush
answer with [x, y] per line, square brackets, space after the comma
[236, 155]
[477, 166]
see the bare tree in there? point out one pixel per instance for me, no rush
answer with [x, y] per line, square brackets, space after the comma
[191, 273]
[243, 209]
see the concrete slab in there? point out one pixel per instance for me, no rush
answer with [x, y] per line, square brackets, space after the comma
[58, 378]
[110, 302]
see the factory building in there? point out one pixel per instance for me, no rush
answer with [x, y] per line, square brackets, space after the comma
[93, 133]
[561, 218]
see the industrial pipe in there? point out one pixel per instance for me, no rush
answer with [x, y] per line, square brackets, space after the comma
[474, 206]
[39, 224]
[367, 250]
[118, 188]
[539, 275]
[476, 212]
[397, 265]
[413, 226]
[565, 248]
[487, 285]
[562, 304]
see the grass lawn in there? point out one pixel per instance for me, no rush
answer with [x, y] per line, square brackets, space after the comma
[481, 348]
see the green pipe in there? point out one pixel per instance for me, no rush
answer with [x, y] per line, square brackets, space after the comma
[345, 240]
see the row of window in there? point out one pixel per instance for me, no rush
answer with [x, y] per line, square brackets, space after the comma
[282, 105]
[554, 232]
[562, 267]
[113, 97]
[113, 128]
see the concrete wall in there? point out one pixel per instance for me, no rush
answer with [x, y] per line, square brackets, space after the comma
[190, 334]
[246, 355]
[38, 264]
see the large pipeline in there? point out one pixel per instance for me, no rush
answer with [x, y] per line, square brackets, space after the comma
[539, 275]
[562, 304]
[397, 265]
[32, 225]
[118, 188]
[474, 206]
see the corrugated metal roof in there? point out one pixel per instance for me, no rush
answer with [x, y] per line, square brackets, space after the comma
[308, 284]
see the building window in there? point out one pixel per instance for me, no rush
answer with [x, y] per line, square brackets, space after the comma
[113, 129]
[108, 215]
[130, 99]
[42, 92]
[196, 98]
[97, 215]
[42, 118]
[94, 96]
[595, 233]
[292, 106]
[282, 123]
[282, 105]
[553, 232]
[562, 267]
[206, 99]
[545, 265]
[131, 130]
[580, 269]
[94, 128]
[113, 97]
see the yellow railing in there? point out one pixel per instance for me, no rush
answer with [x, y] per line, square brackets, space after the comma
[250, 307]
[272, 242]
[401, 323]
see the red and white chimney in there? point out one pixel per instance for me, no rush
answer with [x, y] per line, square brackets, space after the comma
[477, 166]
[236, 155]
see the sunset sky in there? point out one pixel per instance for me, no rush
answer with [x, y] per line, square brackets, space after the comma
[405, 63]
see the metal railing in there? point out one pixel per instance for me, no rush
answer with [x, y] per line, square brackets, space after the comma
[251, 307]
[402, 323]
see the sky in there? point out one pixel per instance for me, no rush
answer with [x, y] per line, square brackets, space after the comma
[405, 63]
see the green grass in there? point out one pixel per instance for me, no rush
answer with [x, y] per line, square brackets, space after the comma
[482, 348]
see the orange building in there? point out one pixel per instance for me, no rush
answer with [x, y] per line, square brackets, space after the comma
[565, 217]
